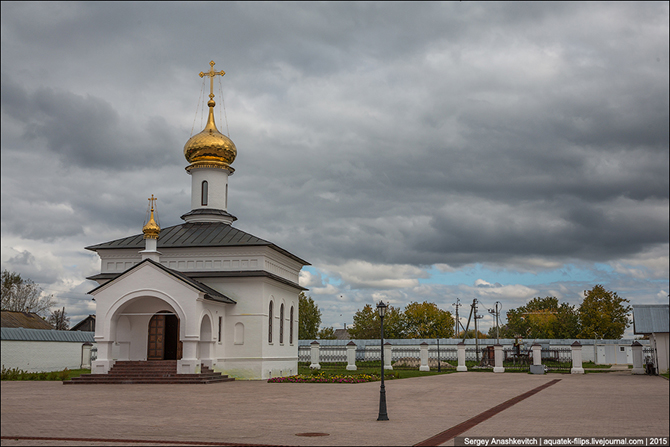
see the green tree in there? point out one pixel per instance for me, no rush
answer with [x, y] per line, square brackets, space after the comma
[567, 323]
[544, 318]
[367, 324]
[603, 314]
[309, 317]
[426, 320]
[326, 333]
[23, 295]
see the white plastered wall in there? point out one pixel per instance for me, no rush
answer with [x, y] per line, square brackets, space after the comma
[244, 351]
[41, 356]
[217, 180]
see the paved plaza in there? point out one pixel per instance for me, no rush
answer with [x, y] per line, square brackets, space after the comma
[260, 413]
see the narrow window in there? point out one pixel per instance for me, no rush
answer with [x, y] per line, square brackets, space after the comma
[270, 323]
[204, 193]
[281, 324]
[290, 335]
[225, 203]
[220, 324]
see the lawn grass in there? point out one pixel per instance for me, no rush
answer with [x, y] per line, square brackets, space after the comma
[18, 374]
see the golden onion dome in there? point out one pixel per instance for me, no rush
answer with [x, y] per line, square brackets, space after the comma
[210, 148]
[151, 230]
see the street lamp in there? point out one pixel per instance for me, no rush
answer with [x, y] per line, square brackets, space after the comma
[381, 308]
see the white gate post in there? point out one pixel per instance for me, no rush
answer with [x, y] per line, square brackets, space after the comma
[86, 355]
[638, 358]
[424, 357]
[537, 354]
[461, 358]
[498, 359]
[314, 347]
[351, 356]
[388, 353]
[576, 358]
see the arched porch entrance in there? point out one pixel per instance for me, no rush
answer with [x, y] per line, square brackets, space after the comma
[163, 337]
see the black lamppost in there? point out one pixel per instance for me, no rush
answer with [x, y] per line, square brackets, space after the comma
[381, 308]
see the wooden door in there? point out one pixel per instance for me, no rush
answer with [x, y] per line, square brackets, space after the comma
[156, 347]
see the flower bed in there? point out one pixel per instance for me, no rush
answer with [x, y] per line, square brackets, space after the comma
[326, 378]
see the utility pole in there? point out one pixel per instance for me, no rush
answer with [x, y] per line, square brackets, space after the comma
[467, 326]
[496, 312]
[457, 304]
[477, 317]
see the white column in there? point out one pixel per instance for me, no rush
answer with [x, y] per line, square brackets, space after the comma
[424, 357]
[388, 354]
[537, 354]
[104, 362]
[498, 359]
[638, 358]
[189, 363]
[576, 359]
[314, 348]
[461, 358]
[351, 356]
[206, 353]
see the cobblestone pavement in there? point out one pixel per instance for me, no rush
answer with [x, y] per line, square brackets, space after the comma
[601, 404]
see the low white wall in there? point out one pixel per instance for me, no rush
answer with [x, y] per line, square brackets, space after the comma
[41, 356]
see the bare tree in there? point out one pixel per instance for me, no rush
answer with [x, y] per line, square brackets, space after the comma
[23, 295]
[59, 320]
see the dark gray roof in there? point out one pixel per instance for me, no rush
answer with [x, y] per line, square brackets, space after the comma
[208, 211]
[196, 234]
[648, 318]
[210, 294]
[21, 334]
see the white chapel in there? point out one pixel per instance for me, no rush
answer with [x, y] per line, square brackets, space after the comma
[203, 294]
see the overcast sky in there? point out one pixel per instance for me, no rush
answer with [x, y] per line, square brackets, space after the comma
[408, 151]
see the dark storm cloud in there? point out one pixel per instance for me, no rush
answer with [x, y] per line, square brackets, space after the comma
[395, 133]
[85, 131]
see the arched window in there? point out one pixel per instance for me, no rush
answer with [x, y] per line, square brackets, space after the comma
[270, 323]
[281, 324]
[203, 193]
[290, 335]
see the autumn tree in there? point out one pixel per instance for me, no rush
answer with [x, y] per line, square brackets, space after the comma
[367, 324]
[471, 334]
[23, 295]
[309, 317]
[503, 330]
[603, 314]
[426, 320]
[543, 318]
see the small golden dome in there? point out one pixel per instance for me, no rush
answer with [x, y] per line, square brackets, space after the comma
[210, 148]
[151, 230]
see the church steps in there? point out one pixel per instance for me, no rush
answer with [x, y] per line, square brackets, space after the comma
[165, 372]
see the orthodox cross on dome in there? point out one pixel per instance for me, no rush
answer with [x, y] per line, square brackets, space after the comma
[152, 200]
[151, 230]
[211, 73]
